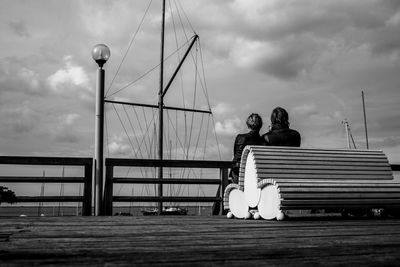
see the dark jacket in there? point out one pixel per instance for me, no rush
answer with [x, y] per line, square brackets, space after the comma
[279, 136]
[242, 140]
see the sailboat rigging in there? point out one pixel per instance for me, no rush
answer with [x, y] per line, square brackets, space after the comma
[163, 114]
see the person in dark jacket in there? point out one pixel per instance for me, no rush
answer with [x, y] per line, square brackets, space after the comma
[280, 134]
[254, 123]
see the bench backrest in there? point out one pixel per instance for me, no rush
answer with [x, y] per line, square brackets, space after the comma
[304, 164]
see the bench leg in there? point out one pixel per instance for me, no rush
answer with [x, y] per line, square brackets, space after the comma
[238, 204]
[268, 207]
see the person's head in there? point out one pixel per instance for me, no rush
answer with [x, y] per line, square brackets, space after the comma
[279, 116]
[254, 122]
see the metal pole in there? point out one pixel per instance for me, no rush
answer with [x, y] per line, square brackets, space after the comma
[160, 109]
[346, 126]
[99, 137]
[365, 119]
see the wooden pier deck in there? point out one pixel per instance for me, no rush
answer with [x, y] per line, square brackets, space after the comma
[198, 241]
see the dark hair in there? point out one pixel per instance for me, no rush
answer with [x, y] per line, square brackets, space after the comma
[279, 116]
[254, 122]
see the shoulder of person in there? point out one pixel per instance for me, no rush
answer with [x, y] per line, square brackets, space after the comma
[265, 137]
[294, 131]
[240, 138]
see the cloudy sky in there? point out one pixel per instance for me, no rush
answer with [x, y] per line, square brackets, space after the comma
[311, 57]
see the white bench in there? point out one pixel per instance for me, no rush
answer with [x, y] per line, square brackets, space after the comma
[273, 180]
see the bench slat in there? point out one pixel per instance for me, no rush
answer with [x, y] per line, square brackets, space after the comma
[320, 162]
[335, 171]
[342, 202]
[336, 206]
[359, 161]
[369, 167]
[323, 176]
[344, 154]
[339, 196]
[317, 182]
[313, 150]
[338, 189]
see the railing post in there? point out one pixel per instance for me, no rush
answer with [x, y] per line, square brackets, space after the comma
[108, 191]
[218, 208]
[224, 184]
[87, 191]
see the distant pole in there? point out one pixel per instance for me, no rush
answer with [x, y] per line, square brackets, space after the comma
[365, 119]
[346, 127]
[100, 53]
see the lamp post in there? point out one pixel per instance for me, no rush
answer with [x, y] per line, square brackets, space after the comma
[100, 54]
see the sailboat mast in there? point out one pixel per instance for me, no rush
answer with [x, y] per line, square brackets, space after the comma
[160, 107]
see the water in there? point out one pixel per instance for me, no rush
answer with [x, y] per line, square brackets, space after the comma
[51, 211]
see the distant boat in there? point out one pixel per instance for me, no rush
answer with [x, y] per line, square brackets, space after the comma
[165, 211]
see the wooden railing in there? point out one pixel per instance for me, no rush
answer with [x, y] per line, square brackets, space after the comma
[87, 163]
[395, 167]
[110, 163]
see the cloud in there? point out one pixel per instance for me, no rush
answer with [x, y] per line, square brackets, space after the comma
[293, 36]
[286, 59]
[306, 110]
[228, 127]
[70, 75]
[19, 28]
[65, 130]
[385, 142]
[71, 80]
[66, 137]
[19, 120]
[15, 76]
[223, 109]
[118, 146]
[71, 118]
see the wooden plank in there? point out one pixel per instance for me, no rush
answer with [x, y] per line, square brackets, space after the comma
[49, 199]
[108, 191]
[312, 150]
[320, 162]
[344, 196]
[319, 158]
[339, 189]
[344, 173]
[27, 160]
[87, 190]
[345, 205]
[323, 176]
[199, 241]
[40, 179]
[395, 167]
[339, 167]
[327, 182]
[340, 202]
[322, 154]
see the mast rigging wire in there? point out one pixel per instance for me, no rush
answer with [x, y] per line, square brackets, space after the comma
[152, 69]
[129, 46]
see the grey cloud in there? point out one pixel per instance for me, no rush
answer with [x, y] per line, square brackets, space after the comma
[66, 137]
[386, 40]
[304, 31]
[15, 76]
[386, 142]
[19, 120]
[19, 28]
[294, 57]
